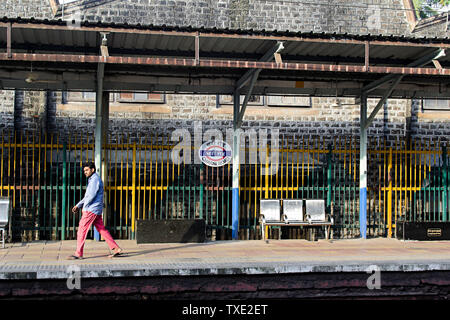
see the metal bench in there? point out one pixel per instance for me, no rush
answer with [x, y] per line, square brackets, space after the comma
[4, 217]
[316, 216]
[295, 213]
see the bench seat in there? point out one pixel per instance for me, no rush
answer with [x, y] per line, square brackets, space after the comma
[295, 213]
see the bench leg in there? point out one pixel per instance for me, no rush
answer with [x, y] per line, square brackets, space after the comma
[312, 234]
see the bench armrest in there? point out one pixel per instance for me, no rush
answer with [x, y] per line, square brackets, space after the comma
[308, 218]
[262, 219]
[330, 218]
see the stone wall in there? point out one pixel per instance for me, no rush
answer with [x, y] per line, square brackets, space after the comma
[45, 112]
[386, 17]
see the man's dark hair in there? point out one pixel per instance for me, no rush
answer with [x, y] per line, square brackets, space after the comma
[91, 165]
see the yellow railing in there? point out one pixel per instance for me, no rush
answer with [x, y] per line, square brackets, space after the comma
[143, 183]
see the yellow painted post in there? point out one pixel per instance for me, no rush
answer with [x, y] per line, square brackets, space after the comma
[150, 182]
[133, 192]
[298, 161]
[415, 177]
[1, 165]
[267, 174]
[379, 175]
[127, 188]
[20, 171]
[409, 181]
[385, 160]
[139, 181]
[145, 177]
[115, 183]
[121, 186]
[266, 232]
[9, 163]
[256, 184]
[173, 204]
[276, 175]
[292, 167]
[401, 154]
[156, 173]
[303, 165]
[167, 177]
[389, 204]
[421, 200]
[14, 170]
[397, 190]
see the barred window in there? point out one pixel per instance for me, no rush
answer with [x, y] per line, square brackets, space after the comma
[435, 104]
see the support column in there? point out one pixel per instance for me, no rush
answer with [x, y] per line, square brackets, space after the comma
[105, 141]
[101, 138]
[445, 185]
[363, 168]
[101, 101]
[236, 145]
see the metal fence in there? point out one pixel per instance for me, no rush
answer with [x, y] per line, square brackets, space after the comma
[43, 177]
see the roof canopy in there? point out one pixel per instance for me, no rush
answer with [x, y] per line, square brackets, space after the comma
[39, 55]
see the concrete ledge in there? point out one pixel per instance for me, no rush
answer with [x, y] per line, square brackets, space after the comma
[42, 272]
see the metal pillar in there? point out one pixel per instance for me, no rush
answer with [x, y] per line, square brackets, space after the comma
[238, 114]
[363, 168]
[99, 137]
[365, 122]
[236, 146]
[101, 117]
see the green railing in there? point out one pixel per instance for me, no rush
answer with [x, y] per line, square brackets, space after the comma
[43, 177]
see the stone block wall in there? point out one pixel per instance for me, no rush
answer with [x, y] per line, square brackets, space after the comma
[44, 112]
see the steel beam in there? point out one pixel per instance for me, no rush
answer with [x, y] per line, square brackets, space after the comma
[223, 64]
[247, 97]
[377, 108]
[396, 78]
[265, 58]
[436, 54]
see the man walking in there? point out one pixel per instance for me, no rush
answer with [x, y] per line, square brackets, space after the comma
[92, 207]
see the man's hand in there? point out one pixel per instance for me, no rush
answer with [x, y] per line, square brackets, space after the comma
[75, 209]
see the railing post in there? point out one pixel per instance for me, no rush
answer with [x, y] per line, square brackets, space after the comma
[329, 158]
[64, 192]
[133, 193]
[445, 185]
[202, 180]
[389, 204]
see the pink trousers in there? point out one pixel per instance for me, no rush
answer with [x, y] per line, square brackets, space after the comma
[87, 219]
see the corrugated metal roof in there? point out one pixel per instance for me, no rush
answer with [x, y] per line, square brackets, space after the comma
[46, 37]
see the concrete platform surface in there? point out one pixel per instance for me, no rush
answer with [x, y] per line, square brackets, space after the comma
[47, 259]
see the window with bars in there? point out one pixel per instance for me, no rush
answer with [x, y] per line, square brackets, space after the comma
[122, 97]
[435, 104]
[270, 101]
